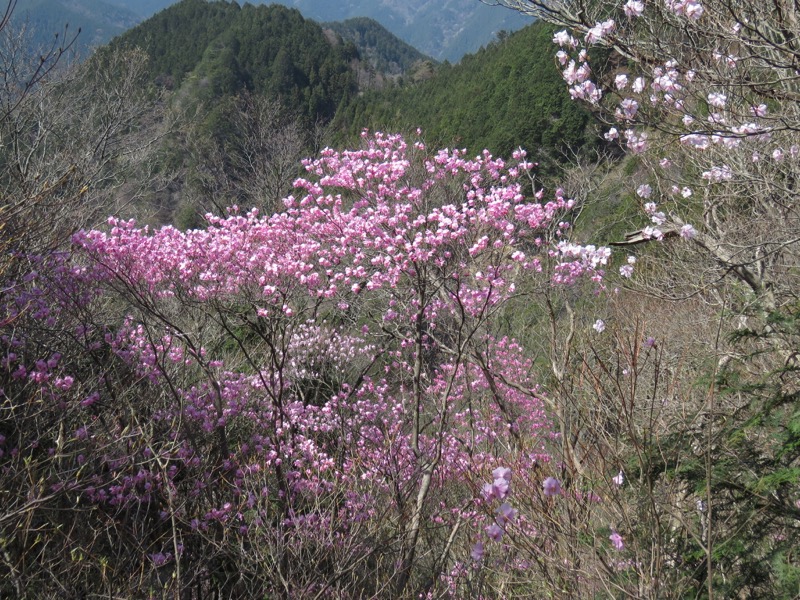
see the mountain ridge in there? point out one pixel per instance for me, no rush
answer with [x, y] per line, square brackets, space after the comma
[444, 30]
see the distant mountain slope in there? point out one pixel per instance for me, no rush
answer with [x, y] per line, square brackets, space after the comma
[507, 95]
[98, 20]
[143, 8]
[387, 53]
[176, 39]
[221, 49]
[442, 29]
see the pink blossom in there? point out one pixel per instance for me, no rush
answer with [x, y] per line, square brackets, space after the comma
[594, 34]
[718, 174]
[633, 8]
[498, 489]
[636, 141]
[652, 233]
[495, 532]
[586, 90]
[358, 224]
[159, 558]
[644, 191]
[621, 81]
[502, 473]
[599, 31]
[628, 109]
[688, 8]
[477, 552]
[608, 26]
[616, 540]
[688, 232]
[618, 479]
[599, 326]
[696, 141]
[562, 38]
[694, 10]
[552, 487]
[64, 383]
[717, 99]
[505, 513]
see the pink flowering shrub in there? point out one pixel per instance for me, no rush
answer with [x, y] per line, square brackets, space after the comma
[321, 390]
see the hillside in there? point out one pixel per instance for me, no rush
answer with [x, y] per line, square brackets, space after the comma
[443, 29]
[219, 59]
[225, 49]
[385, 52]
[504, 96]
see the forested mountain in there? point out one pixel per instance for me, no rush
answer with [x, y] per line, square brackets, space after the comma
[225, 59]
[143, 8]
[443, 29]
[384, 51]
[227, 49]
[504, 96]
[235, 73]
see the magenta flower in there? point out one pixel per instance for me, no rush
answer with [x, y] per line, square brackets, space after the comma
[502, 473]
[159, 558]
[616, 540]
[500, 488]
[552, 487]
[477, 552]
[505, 513]
[495, 532]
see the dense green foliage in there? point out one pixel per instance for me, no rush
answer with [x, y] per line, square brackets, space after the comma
[505, 96]
[175, 39]
[229, 49]
[384, 51]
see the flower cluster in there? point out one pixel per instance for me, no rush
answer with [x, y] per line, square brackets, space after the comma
[283, 375]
